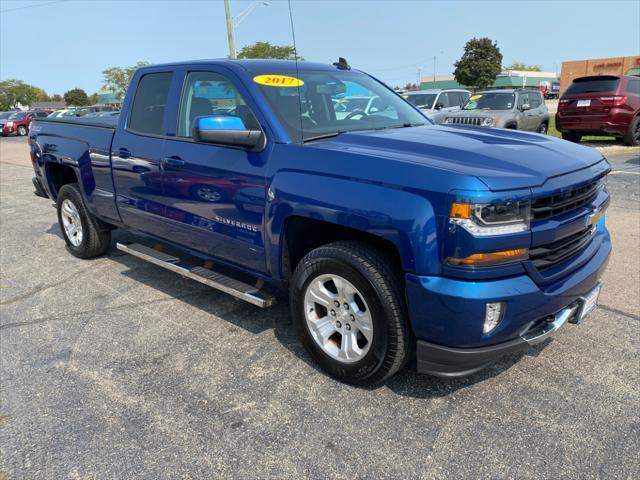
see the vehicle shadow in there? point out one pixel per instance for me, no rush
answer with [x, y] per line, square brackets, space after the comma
[407, 383]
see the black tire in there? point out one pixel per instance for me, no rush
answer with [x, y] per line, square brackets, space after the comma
[542, 129]
[381, 287]
[22, 131]
[96, 236]
[632, 137]
[571, 136]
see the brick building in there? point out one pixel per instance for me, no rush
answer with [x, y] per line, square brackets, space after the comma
[598, 66]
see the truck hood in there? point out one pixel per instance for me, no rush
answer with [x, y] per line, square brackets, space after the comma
[502, 159]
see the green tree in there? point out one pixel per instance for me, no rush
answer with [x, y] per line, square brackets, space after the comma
[56, 97]
[14, 93]
[116, 79]
[76, 97]
[266, 50]
[93, 98]
[480, 63]
[523, 67]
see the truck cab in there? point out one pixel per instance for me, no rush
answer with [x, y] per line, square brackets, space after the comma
[388, 235]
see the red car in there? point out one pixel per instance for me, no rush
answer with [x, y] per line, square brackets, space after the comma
[19, 122]
[601, 105]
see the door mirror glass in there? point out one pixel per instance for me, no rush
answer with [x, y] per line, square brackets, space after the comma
[226, 130]
[525, 107]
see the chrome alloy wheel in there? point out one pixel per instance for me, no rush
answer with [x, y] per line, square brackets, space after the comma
[208, 194]
[338, 318]
[71, 222]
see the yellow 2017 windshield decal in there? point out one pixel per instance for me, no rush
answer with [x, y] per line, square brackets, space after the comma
[278, 81]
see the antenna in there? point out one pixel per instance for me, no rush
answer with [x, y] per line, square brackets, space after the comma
[295, 53]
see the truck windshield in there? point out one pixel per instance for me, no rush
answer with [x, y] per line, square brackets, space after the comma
[490, 101]
[318, 104]
[421, 100]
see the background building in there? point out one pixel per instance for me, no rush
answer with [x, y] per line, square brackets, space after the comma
[598, 66]
[507, 79]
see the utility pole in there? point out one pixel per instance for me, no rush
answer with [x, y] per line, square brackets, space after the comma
[419, 78]
[230, 34]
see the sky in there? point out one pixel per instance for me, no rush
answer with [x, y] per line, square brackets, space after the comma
[59, 45]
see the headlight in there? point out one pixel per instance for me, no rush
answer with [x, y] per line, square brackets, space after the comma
[491, 219]
[448, 120]
[9, 124]
[488, 122]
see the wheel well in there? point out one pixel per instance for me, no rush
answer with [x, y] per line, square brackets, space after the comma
[512, 125]
[305, 234]
[60, 175]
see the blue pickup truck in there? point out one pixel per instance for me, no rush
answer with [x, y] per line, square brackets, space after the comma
[395, 240]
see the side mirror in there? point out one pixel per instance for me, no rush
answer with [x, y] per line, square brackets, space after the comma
[374, 110]
[439, 106]
[525, 107]
[226, 130]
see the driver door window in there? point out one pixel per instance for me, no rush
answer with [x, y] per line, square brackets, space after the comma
[208, 93]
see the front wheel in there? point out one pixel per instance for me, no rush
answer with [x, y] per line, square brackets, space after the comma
[347, 305]
[22, 131]
[542, 129]
[84, 234]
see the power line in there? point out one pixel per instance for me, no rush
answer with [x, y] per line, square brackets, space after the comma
[32, 6]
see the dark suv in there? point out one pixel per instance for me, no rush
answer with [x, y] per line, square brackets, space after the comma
[601, 105]
[19, 122]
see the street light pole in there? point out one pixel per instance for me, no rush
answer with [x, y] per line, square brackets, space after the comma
[232, 23]
[434, 71]
[230, 33]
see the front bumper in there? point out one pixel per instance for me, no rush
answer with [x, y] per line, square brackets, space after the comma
[447, 314]
[458, 362]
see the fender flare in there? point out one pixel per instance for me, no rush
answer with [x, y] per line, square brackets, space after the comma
[403, 218]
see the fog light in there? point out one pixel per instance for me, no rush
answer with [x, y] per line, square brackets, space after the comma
[493, 316]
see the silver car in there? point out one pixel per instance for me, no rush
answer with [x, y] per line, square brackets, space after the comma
[520, 109]
[438, 103]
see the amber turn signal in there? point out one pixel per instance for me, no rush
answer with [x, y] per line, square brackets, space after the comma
[460, 210]
[493, 258]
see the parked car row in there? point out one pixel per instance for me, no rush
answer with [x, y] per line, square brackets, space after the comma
[19, 122]
[596, 105]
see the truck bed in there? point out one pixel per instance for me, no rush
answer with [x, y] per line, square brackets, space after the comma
[102, 122]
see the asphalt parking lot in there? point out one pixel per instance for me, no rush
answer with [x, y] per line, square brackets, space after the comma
[114, 369]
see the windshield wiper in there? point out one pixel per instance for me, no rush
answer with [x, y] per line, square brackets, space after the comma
[324, 135]
[404, 125]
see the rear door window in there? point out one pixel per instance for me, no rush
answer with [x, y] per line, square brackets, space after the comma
[147, 110]
[594, 85]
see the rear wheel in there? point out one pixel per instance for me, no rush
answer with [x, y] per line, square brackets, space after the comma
[85, 235]
[571, 136]
[633, 135]
[347, 305]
